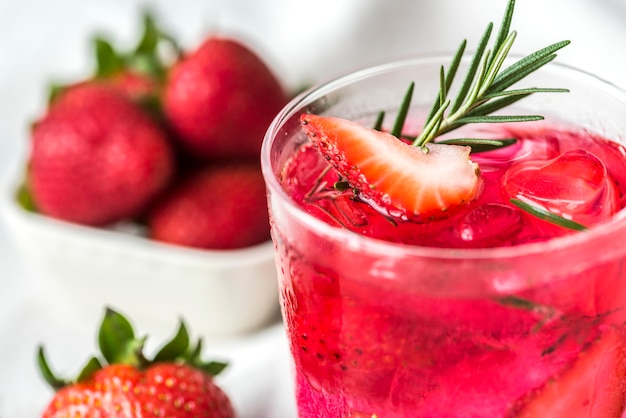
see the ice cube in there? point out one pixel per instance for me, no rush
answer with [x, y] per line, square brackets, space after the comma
[575, 185]
[488, 225]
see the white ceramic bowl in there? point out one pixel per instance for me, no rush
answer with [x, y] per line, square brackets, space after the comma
[218, 293]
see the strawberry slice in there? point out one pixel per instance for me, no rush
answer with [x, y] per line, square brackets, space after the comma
[400, 178]
[595, 385]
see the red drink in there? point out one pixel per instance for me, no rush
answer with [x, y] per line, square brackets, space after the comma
[485, 312]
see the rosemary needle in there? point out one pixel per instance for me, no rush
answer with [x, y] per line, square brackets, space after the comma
[547, 216]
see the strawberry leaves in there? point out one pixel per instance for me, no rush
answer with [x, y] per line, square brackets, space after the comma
[92, 365]
[139, 72]
[117, 341]
[108, 61]
[45, 371]
[118, 345]
[144, 58]
[176, 347]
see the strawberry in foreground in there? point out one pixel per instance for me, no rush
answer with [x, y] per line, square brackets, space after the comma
[176, 383]
[220, 100]
[96, 158]
[393, 174]
[222, 206]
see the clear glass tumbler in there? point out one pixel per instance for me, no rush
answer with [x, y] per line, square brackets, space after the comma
[386, 330]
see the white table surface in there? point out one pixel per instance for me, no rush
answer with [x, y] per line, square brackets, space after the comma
[308, 41]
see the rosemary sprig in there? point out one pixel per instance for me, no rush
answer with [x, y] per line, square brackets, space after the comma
[484, 88]
[482, 93]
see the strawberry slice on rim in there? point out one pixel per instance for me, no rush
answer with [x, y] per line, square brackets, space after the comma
[393, 174]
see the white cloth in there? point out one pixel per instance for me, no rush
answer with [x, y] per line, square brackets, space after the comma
[305, 42]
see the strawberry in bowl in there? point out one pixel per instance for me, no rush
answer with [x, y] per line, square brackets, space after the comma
[96, 158]
[220, 99]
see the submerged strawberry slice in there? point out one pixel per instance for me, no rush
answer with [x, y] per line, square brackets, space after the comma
[595, 385]
[392, 174]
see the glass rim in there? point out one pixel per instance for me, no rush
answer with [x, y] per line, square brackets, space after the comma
[316, 91]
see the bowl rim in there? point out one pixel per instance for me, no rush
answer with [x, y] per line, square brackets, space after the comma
[15, 217]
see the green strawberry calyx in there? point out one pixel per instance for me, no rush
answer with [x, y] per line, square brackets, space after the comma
[145, 58]
[119, 345]
[147, 62]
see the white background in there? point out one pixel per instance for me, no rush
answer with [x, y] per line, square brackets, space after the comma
[305, 42]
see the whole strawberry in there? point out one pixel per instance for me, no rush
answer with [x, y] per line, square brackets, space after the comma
[124, 384]
[222, 206]
[96, 158]
[220, 100]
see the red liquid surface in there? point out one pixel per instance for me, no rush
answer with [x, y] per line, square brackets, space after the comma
[579, 176]
[365, 350]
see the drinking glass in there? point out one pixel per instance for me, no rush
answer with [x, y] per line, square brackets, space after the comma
[381, 329]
